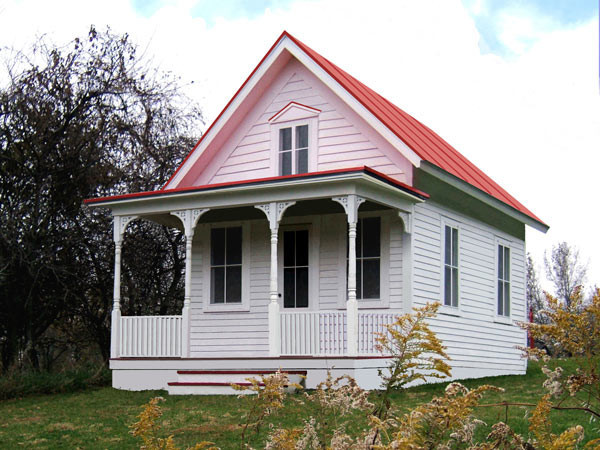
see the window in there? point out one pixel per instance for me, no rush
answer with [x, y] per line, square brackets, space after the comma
[226, 265]
[368, 258]
[450, 266]
[293, 150]
[295, 269]
[503, 280]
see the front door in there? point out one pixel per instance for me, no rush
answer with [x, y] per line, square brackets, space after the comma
[295, 268]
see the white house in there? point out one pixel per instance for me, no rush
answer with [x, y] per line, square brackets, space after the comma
[315, 211]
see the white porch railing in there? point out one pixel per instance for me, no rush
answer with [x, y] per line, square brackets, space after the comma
[150, 336]
[369, 324]
[313, 333]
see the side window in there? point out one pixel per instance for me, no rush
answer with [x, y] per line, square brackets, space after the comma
[368, 258]
[503, 280]
[226, 265]
[293, 150]
[450, 266]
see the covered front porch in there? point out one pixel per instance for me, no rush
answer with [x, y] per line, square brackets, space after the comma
[259, 322]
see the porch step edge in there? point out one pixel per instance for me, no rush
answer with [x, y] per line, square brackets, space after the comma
[208, 383]
[239, 372]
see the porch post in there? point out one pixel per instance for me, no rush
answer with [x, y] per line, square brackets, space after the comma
[190, 218]
[274, 212]
[119, 225]
[351, 204]
[407, 258]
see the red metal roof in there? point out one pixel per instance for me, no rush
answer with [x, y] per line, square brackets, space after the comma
[428, 145]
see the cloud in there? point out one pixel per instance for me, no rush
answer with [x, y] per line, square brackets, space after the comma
[531, 119]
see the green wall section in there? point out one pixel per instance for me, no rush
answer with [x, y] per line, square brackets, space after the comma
[453, 198]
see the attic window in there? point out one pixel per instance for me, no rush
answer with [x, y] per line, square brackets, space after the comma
[293, 150]
[293, 139]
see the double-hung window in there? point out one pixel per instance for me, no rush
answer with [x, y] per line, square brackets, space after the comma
[368, 258]
[226, 265]
[503, 280]
[450, 266]
[293, 150]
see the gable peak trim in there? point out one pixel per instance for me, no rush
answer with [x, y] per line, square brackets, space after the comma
[312, 111]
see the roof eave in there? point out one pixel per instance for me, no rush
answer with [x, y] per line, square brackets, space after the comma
[352, 174]
[486, 198]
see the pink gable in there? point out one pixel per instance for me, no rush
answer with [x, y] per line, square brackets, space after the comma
[340, 138]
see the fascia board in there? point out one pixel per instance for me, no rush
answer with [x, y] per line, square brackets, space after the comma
[349, 99]
[482, 196]
[237, 196]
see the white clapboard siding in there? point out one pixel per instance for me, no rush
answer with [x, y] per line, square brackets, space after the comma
[332, 269]
[474, 338]
[340, 143]
[214, 334]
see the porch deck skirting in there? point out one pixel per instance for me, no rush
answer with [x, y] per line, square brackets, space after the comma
[306, 333]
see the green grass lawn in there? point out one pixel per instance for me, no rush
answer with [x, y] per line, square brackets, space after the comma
[100, 418]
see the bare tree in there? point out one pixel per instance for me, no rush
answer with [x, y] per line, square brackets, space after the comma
[90, 118]
[534, 293]
[565, 270]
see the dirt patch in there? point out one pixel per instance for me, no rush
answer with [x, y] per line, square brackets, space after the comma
[62, 426]
[208, 428]
[28, 419]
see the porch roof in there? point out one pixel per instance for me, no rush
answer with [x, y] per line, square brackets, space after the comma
[354, 173]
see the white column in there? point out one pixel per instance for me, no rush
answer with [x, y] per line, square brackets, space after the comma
[187, 299]
[189, 218]
[119, 225]
[352, 304]
[274, 320]
[274, 212]
[115, 318]
[351, 204]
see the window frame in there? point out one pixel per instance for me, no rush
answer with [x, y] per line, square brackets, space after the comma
[312, 123]
[506, 319]
[449, 309]
[384, 262]
[205, 263]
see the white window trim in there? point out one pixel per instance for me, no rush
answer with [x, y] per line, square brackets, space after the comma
[311, 224]
[448, 309]
[508, 320]
[384, 268]
[226, 307]
[313, 135]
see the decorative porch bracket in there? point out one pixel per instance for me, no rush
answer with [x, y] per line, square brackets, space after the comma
[189, 218]
[351, 203]
[274, 212]
[119, 226]
[406, 218]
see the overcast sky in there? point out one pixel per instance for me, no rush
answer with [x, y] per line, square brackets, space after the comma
[511, 84]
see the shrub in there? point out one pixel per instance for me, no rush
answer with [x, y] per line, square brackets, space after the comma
[21, 383]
